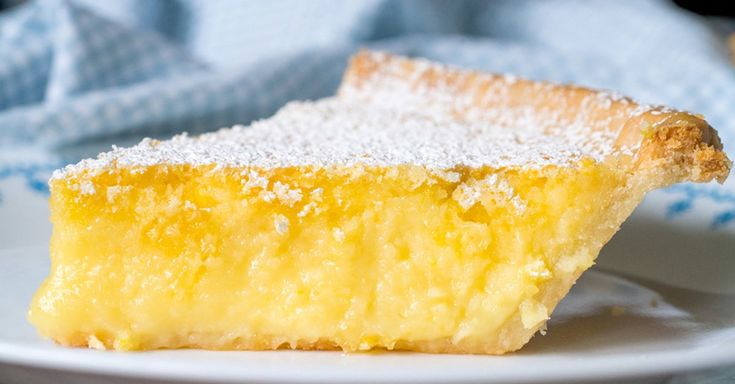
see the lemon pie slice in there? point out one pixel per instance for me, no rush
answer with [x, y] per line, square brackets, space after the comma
[423, 208]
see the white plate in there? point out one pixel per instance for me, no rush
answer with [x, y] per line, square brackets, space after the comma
[609, 328]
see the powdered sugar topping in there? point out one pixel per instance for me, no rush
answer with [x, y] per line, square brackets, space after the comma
[399, 122]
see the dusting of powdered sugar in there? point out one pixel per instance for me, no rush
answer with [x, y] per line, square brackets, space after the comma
[399, 122]
[470, 193]
[336, 131]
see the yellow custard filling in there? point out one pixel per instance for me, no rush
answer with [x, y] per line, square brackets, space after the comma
[338, 257]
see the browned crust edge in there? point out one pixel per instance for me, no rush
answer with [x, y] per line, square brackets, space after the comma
[683, 146]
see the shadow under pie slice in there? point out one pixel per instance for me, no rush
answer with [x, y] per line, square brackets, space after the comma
[422, 208]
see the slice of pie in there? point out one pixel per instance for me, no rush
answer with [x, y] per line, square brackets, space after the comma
[423, 208]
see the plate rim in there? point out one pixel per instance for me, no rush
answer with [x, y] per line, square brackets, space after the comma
[115, 364]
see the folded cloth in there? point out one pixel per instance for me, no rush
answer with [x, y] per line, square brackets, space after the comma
[87, 70]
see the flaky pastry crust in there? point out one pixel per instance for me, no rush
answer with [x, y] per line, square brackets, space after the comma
[679, 145]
